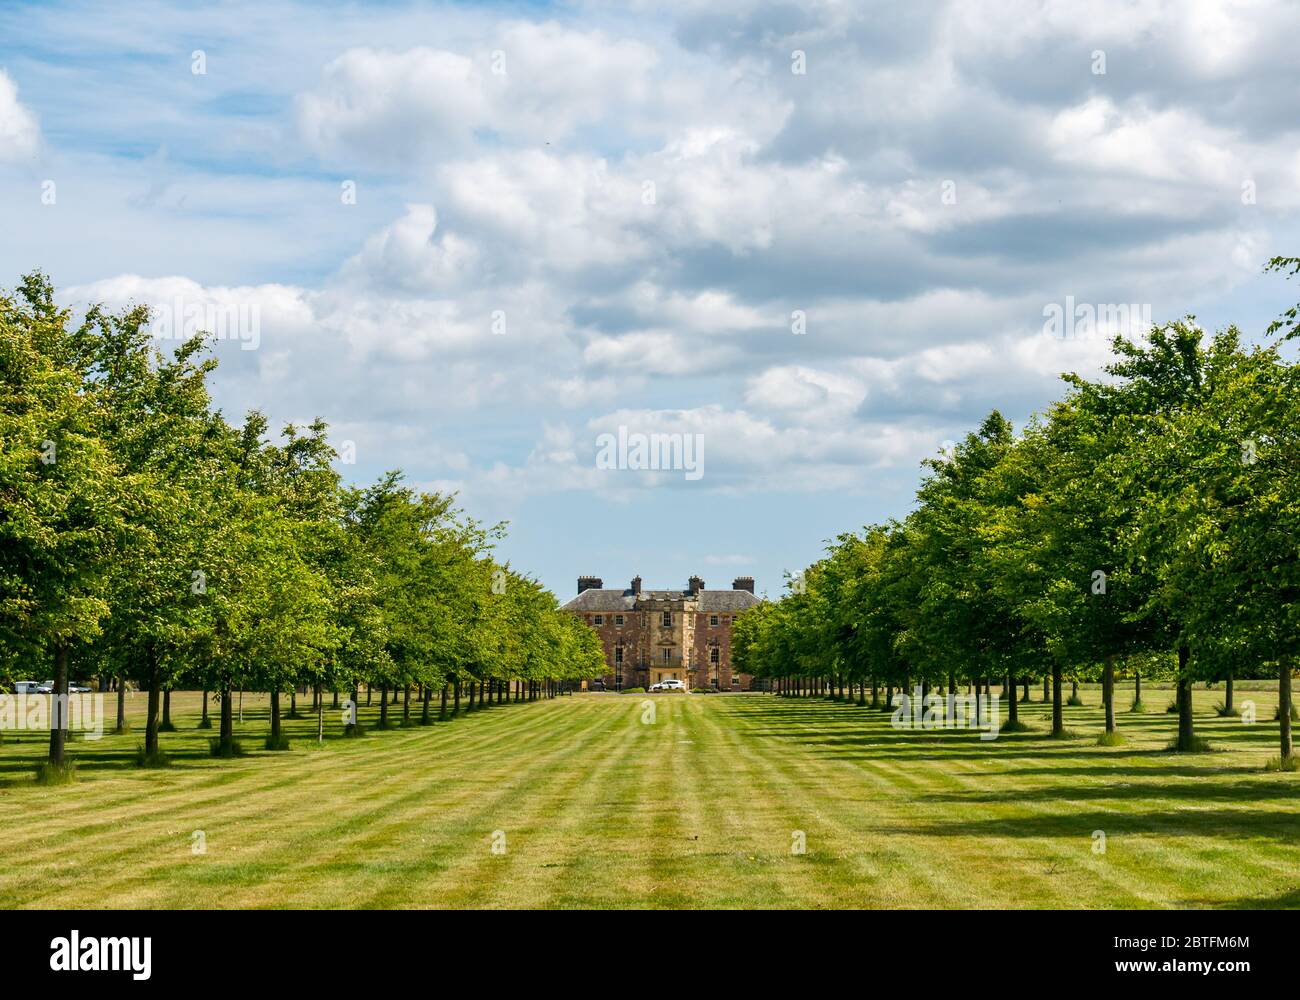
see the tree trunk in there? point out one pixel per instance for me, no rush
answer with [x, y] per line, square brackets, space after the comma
[424, 711]
[1058, 723]
[293, 702]
[121, 704]
[1227, 694]
[1284, 705]
[1186, 730]
[383, 706]
[151, 718]
[1137, 686]
[456, 709]
[59, 706]
[875, 693]
[227, 735]
[1026, 684]
[406, 705]
[1047, 688]
[275, 717]
[204, 723]
[167, 710]
[1108, 692]
[1013, 715]
[442, 710]
[320, 719]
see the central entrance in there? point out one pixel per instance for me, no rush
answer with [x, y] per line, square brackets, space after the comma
[658, 674]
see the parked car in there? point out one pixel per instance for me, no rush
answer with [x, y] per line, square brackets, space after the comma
[26, 687]
[75, 688]
[668, 685]
[45, 687]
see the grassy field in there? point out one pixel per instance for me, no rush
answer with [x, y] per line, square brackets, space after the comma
[700, 808]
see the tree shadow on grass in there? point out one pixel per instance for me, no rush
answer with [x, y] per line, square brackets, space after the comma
[1154, 790]
[1289, 900]
[1207, 824]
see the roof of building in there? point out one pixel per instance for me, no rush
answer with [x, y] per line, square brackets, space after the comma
[710, 601]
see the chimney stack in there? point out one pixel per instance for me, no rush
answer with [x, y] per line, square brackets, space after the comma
[743, 583]
[636, 585]
[589, 583]
[695, 585]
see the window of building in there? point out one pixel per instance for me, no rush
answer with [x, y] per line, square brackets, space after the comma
[714, 656]
[618, 680]
[618, 619]
[618, 654]
[713, 620]
[668, 655]
[600, 619]
[668, 619]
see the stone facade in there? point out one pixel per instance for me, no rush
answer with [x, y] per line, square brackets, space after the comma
[654, 635]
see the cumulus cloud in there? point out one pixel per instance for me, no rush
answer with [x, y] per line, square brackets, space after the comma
[566, 227]
[20, 135]
[526, 82]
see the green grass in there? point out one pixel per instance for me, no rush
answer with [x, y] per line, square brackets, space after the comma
[700, 808]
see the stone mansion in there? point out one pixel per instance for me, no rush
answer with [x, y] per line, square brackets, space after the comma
[655, 635]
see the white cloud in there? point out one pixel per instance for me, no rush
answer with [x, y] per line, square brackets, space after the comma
[528, 82]
[20, 135]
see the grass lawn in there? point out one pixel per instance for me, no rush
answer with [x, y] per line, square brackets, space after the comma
[599, 809]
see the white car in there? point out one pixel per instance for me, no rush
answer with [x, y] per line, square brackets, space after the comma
[26, 687]
[668, 685]
[45, 687]
[74, 688]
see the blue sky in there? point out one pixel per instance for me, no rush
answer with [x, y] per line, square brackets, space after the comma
[647, 195]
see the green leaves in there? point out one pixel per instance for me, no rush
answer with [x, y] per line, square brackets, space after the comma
[137, 524]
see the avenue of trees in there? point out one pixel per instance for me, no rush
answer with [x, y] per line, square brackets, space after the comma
[1147, 524]
[145, 540]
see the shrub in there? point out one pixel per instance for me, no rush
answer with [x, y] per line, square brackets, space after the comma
[1016, 727]
[1172, 707]
[1138, 707]
[704, 690]
[634, 690]
[1291, 763]
[1277, 713]
[205, 723]
[56, 774]
[1074, 700]
[155, 759]
[1223, 711]
[276, 743]
[221, 748]
[1111, 740]
[1199, 745]
[123, 729]
[354, 729]
[166, 727]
